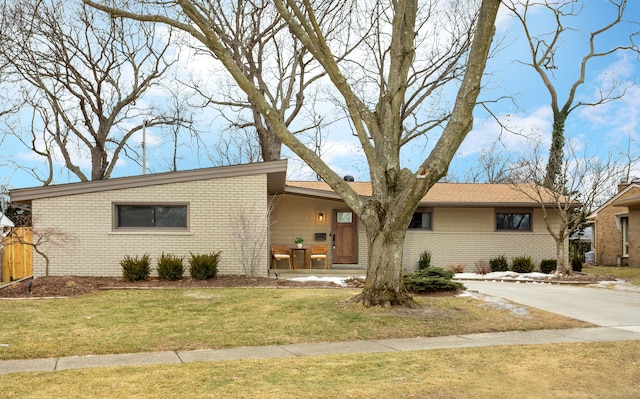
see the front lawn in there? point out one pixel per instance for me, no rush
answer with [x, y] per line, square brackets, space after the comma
[183, 319]
[560, 371]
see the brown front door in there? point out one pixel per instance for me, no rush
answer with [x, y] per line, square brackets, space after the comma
[345, 237]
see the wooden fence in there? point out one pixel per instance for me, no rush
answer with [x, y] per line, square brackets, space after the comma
[17, 258]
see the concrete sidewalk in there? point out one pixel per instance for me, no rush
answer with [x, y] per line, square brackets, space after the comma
[596, 334]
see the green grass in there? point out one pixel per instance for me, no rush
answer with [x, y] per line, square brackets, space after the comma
[560, 371]
[156, 320]
[631, 273]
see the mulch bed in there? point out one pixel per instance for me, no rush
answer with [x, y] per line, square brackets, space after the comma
[73, 285]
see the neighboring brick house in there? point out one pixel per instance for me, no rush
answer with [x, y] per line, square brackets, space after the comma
[458, 223]
[616, 227]
[197, 211]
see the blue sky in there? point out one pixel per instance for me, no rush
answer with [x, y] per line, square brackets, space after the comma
[603, 129]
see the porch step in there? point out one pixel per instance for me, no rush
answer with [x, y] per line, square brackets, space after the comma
[293, 273]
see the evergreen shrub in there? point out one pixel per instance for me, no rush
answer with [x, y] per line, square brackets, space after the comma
[425, 260]
[170, 267]
[576, 263]
[135, 269]
[204, 266]
[548, 265]
[431, 279]
[499, 264]
[522, 264]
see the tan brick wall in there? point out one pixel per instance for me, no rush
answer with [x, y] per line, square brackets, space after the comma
[608, 238]
[97, 250]
[459, 235]
[466, 236]
[634, 237]
[294, 216]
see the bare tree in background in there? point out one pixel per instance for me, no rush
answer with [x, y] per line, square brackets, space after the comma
[493, 166]
[400, 53]
[259, 42]
[85, 76]
[572, 198]
[545, 46]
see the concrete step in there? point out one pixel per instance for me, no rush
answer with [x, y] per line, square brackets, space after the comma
[293, 273]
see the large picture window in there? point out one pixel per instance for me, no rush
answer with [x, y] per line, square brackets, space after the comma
[513, 220]
[421, 219]
[173, 216]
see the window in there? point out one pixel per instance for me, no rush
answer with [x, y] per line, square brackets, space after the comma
[625, 235]
[162, 216]
[421, 219]
[513, 220]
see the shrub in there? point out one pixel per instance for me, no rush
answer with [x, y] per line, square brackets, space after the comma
[576, 263]
[425, 260]
[522, 264]
[204, 267]
[499, 264]
[170, 267]
[547, 266]
[457, 267]
[431, 279]
[482, 267]
[136, 269]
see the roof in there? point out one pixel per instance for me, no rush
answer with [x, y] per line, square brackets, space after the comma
[275, 171]
[441, 194]
[615, 201]
[628, 202]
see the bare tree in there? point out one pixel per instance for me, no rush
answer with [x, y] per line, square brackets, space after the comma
[573, 196]
[493, 166]
[85, 76]
[543, 48]
[404, 51]
[252, 232]
[261, 45]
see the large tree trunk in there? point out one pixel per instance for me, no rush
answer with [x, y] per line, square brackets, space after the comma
[384, 285]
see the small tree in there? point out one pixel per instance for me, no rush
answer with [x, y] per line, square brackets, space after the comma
[572, 195]
[251, 232]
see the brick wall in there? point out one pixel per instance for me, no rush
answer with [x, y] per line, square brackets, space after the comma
[608, 235]
[96, 249]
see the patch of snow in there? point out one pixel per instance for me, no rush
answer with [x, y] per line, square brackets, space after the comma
[496, 276]
[336, 280]
[498, 303]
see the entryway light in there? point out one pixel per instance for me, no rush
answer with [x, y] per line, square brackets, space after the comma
[320, 217]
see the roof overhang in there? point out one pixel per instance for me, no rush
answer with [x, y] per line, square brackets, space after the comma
[276, 172]
[628, 202]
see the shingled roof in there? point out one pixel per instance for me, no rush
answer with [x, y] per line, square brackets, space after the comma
[441, 194]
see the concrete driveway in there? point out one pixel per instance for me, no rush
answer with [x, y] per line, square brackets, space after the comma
[599, 306]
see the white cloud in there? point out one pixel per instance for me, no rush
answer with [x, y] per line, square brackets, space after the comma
[536, 126]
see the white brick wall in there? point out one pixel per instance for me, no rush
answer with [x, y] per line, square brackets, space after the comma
[96, 250]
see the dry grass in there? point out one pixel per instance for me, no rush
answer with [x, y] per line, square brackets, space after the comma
[157, 320]
[631, 273]
[589, 370]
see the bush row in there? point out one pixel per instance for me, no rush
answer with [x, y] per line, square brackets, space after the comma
[519, 264]
[524, 264]
[170, 267]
